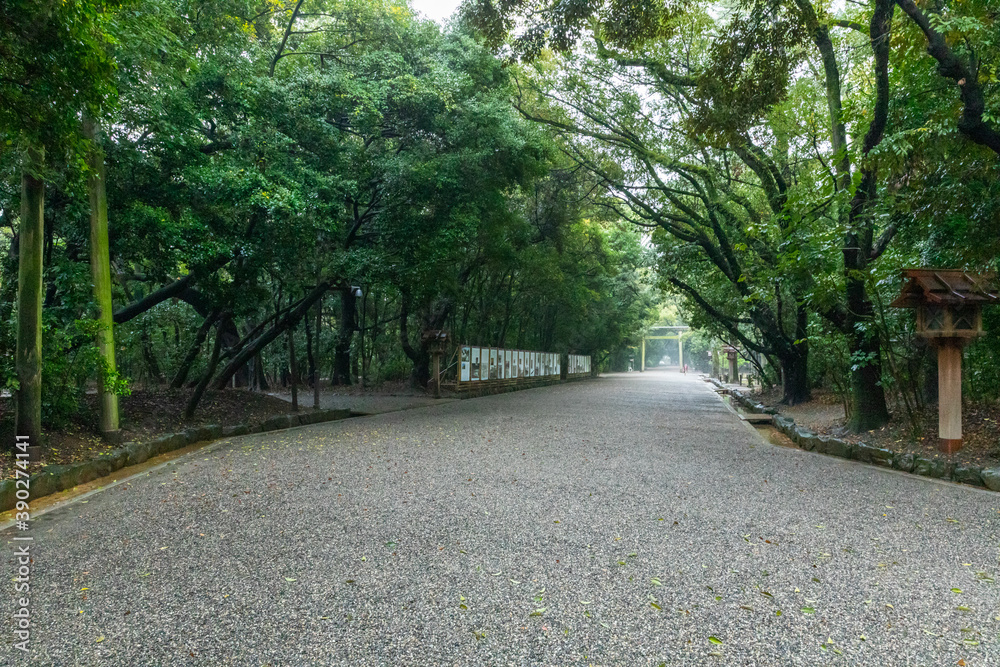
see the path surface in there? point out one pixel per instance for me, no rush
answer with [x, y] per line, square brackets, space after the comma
[368, 403]
[529, 528]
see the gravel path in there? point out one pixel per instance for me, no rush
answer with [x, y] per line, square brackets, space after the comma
[368, 403]
[626, 521]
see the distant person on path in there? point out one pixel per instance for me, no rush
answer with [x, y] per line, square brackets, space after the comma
[685, 369]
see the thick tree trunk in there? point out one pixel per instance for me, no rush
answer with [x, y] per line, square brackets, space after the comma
[342, 351]
[868, 397]
[28, 360]
[433, 318]
[100, 269]
[795, 364]
[795, 374]
[870, 410]
[421, 372]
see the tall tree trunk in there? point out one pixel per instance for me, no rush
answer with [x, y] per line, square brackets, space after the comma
[100, 269]
[342, 351]
[310, 359]
[433, 317]
[28, 361]
[795, 375]
[795, 364]
[421, 373]
[870, 410]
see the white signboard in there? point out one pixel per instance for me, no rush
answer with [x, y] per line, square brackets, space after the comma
[490, 363]
[466, 354]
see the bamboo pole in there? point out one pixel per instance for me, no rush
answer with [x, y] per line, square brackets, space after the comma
[100, 268]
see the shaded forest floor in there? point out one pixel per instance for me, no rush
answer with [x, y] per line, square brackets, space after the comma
[980, 428]
[146, 414]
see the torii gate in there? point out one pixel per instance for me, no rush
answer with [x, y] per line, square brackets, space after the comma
[679, 337]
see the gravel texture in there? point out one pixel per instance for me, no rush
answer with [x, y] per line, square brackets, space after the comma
[621, 521]
[368, 402]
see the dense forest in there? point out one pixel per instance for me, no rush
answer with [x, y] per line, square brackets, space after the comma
[242, 191]
[788, 158]
[207, 194]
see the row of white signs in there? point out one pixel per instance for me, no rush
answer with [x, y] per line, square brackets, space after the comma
[490, 363]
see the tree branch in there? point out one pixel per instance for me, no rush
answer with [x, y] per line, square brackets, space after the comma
[966, 75]
[284, 38]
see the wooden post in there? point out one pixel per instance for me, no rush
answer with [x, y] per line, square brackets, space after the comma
[680, 350]
[949, 395]
[319, 324]
[100, 270]
[293, 369]
[437, 375]
[734, 375]
[642, 362]
[28, 355]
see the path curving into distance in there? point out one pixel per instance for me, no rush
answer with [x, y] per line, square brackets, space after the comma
[620, 521]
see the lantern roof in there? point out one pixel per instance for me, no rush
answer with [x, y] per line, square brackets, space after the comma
[946, 287]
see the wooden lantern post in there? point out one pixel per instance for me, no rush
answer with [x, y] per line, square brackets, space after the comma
[436, 341]
[734, 373]
[949, 314]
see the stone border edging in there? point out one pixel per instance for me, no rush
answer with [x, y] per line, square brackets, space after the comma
[886, 458]
[54, 478]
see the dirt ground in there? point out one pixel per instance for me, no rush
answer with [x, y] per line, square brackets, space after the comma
[980, 428]
[146, 414]
[153, 411]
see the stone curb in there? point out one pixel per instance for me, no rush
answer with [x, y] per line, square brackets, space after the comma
[54, 478]
[884, 458]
